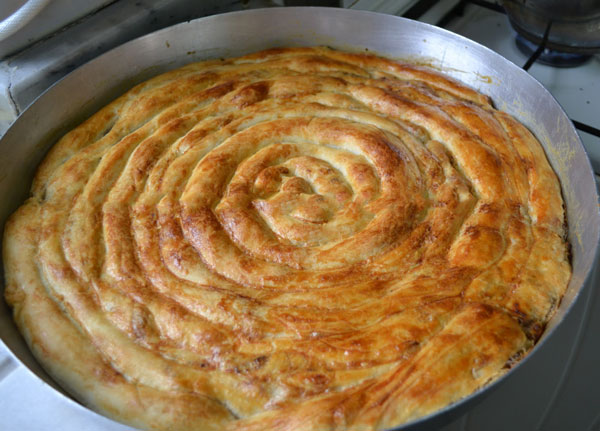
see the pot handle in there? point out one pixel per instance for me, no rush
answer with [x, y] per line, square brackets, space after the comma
[21, 17]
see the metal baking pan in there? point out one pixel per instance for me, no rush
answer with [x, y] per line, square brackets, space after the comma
[513, 90]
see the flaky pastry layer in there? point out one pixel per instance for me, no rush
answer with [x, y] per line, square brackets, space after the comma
[295, 239]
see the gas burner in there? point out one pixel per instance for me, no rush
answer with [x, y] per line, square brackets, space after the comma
[551, 57]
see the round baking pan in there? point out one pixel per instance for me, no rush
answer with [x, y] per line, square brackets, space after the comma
[513, 90]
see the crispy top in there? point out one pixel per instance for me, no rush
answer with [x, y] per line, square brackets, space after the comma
[295, 239]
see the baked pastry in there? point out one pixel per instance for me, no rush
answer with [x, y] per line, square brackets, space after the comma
[295, 239]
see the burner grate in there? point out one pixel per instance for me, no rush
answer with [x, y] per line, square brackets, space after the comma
[547, 56]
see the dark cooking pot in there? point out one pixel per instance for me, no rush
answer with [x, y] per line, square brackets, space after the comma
[575, 23]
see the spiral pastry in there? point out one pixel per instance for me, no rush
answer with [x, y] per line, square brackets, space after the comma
[294, 239]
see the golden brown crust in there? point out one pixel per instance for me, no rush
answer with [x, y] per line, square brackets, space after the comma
[294, 239]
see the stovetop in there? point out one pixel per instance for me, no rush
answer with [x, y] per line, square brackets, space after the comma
[562, 393]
